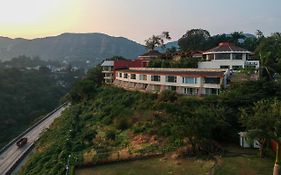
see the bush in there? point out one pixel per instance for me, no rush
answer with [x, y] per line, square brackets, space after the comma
[167, 96]
[89, 135]
[122, 123]
[110, 134]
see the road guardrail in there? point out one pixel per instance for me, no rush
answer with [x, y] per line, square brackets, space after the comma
[32, 127]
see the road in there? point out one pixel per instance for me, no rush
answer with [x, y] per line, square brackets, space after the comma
[13, 154]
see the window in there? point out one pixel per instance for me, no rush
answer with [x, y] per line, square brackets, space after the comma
[133, 76]
[211, 91]
[189, 80]
[222, 56]
[212, 80]
[107, 68]
[171, 79]
[237, 56]
[108, 75]
[155, 78]
[190, 91]
[210, 56]
[125, 75]
[120, 75]
[224, 67]
[143, 77]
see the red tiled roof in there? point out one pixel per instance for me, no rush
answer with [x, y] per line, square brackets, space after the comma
[227, 47]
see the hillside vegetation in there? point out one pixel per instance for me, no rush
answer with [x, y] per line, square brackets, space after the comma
[26, 95]
[106, 124]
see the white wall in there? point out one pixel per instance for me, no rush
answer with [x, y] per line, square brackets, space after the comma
[200, 81]
[215, 64]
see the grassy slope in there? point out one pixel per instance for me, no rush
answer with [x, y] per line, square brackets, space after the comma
[104, 117]
[92, 129]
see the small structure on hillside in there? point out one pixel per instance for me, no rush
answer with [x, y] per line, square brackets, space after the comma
[246, 142]
[147, 57]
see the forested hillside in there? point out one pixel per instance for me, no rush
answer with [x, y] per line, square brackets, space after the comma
[25, 95]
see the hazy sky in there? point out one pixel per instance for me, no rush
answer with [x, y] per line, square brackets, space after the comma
[136, 19]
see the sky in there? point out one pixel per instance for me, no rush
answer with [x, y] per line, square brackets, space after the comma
[136, 19]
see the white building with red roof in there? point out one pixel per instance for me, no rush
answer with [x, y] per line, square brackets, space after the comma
[228, 56]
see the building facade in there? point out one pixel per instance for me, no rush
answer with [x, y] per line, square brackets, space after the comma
[228, 56]
[108, 71]
[110, 66]
[196, 82]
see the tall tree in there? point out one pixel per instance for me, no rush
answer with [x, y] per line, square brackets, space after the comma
[157, 41]
[197, 125]
[264, 122]
[194, 40]
[269, 52]
[236, 36]
[87, 87]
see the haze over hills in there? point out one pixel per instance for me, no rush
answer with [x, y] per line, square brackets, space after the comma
[75, 47]
[71, 47]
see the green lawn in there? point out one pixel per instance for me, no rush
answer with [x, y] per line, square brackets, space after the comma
[249, 165]
[234, 165]
[155, 166]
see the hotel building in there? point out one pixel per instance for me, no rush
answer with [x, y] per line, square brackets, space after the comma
[195, 82]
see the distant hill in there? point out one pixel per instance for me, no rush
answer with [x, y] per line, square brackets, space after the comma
[71, 47]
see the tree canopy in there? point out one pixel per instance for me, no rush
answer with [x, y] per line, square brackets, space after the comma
[157, 41]
[25, 95]
[194, 40]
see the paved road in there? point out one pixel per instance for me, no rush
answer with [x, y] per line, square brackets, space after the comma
[12, 154]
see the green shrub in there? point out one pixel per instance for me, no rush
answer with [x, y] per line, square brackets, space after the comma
[167, 96]
[110, 134]
[122, 123]
[89, 135]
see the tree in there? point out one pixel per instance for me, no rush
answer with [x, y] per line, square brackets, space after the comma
[85, 89]
[197, 125]
[269, 52]
[194, 40]
[96, 75]
[156, 41]
[259, 34]
[235, 36]
[266, 70]
[263, 121]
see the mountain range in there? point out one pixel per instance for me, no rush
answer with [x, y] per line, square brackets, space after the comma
[71, 47]
[76, 47]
